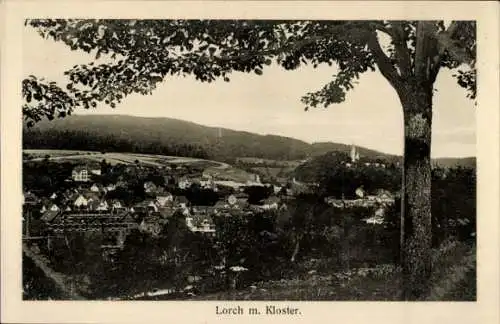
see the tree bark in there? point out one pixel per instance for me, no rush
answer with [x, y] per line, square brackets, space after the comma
[416, 226]
[415, 92]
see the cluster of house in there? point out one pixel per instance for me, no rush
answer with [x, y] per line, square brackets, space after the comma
[380, 202]
[86, 206]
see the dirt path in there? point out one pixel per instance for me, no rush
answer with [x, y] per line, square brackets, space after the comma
[59, 279]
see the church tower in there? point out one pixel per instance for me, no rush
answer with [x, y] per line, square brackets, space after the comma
[354, 154]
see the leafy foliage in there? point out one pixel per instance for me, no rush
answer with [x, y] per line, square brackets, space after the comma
[134, 56]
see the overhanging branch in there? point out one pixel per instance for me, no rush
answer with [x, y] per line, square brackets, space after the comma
[339, 31]
[383, 62]
[294, 46]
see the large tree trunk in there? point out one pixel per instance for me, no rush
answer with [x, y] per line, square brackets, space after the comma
[413, 80]
[416, 221]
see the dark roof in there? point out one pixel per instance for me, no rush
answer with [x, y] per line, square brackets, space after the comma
[49, 215]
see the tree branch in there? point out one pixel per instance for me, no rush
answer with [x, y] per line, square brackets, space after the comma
[383, 62]
[296, 45]
[402, 51]
[445, 42]
[425, 50]
[351, 26]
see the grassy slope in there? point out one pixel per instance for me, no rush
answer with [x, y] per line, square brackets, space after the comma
[453, 279]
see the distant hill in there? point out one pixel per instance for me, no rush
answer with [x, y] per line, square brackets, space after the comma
[121, 133]
[160, 136]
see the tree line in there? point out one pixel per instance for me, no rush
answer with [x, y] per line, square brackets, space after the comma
[82, 140]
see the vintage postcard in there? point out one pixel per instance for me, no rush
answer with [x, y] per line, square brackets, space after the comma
[242, 161]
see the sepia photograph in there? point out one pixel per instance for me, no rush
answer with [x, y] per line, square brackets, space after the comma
[241, 159]
[135, 198]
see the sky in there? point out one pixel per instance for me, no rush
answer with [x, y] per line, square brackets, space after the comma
[371, 116]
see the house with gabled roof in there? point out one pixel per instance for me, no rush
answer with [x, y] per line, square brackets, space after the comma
[83, 173]
[201, 223]
[184, 183]
[54, 207]
[145, 206]
[150, 187]
[271, 203]
[127, 218]
[96, 188]
[81, 201]
[30, 198]
[80, 173]
[98, 205]
[116, 205]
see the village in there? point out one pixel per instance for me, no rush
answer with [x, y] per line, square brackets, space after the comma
[92, 201]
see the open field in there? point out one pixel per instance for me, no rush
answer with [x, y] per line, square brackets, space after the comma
[219, 169]
[55, 153]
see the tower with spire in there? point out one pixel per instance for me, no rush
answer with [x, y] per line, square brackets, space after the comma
[354, 154]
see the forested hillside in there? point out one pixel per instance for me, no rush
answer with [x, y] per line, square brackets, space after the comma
[119, 133]
[158, 135]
